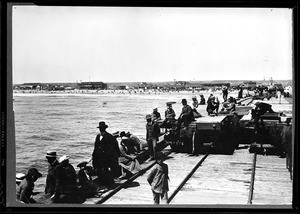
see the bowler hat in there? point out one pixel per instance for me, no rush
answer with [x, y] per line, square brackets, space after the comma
[102, 125]
[33, 171]
[51, 154]
[183, 101]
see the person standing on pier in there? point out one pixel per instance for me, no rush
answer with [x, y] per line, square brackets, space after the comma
[152, 134]
[170, 114]
[225, 92]
[50, 180]
[158, 179]
[105, 156]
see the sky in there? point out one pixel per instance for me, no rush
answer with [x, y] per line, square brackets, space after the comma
[126, 44]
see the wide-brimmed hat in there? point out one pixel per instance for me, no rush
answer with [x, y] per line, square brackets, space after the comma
[122, 134]
[102, 125]
[33, 171]
[63, 158]
[20, 177]
[51, 154]
[82, 164]
[170, 103]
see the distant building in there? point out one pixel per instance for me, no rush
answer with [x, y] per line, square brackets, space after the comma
[92, 85]
[216, 85]
[250, 85]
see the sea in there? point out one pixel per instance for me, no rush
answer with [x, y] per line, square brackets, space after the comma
[67, 122]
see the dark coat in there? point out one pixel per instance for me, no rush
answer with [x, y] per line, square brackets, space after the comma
[105, 151]
[152, 130]
[50, 180]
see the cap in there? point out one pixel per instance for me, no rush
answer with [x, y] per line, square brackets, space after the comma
[148, 116]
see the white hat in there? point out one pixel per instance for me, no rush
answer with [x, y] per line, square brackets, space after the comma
[20, 177]
[63, 158]
[124, 138]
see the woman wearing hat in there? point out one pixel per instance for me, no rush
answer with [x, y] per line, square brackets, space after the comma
[25, 189]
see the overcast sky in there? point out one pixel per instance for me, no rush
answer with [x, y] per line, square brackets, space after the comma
[113, 44]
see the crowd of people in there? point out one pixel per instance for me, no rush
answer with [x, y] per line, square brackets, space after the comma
[114, 160]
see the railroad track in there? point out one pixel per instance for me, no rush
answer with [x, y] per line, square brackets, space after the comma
[206, 179]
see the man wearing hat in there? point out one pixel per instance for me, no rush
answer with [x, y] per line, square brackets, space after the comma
[66, 190]
[155, 115]
[50, 180]
[186, 116]
[105, 156]
[152, 134]
[169, 116]
[25, 189]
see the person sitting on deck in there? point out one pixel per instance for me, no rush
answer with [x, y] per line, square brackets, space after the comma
[134, 140]
[155, 115]
[25, 188]
[228, 106]
[85, 182]
[127, 159]
[169, 120]
[66, 189]
[186, 116]
[50, 180]
[202, 100]
[194, 106]
[212, 106]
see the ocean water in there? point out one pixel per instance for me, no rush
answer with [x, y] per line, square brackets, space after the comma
[66, 123]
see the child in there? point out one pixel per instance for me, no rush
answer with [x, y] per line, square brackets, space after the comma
[25, 188]
[158, 179]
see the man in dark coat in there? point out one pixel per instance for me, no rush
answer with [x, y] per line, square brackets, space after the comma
[186, 116]
[105, 156]
[152, 135]
[50, 180]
